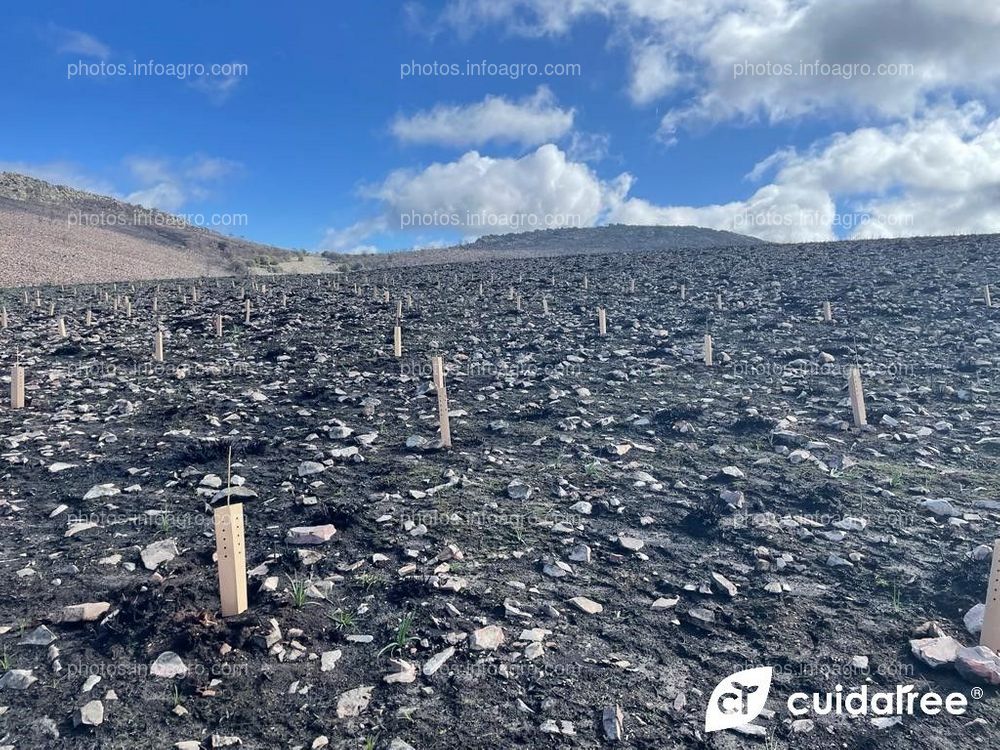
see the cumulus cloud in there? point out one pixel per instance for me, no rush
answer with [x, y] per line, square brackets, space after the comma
[531, 121]
[654, 73]
[939, 174]
[540, 190]
[935, 175]
[169, 184]
[779, 59]
[350, 239]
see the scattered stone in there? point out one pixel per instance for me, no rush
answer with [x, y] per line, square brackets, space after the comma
[17, 679]
[936, 652]
[723, 585]
[665, 603]
[803, 726]
[630, 543]
[308, 468]
[328, 660]
[978, 664]
[168, 665]
[40, 636]
[488, 638]
[518, 490]
[437, 661]
[91, 714]
[587, 606]
[353, 702]
[612, 720]
[157, 553]
[973, 619]
[101, 490]
[86, 612]
[405, 672]
[311, 534]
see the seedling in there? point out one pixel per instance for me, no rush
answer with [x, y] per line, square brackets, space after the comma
[299, 589]
[403, 636]
[369, 581]
[342, 620]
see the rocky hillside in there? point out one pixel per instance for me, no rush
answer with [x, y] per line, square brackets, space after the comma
[55, 234]
[554, 243]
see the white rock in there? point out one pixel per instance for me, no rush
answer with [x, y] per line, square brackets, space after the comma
[353, 702]
[17, 679]
[328, 660]
[488, 638]
[405, 672]
[936, 652]
[974, 619]
[437, 661]
[587, 606]
[167, 665]
[308, 468]
[311, 534]
[157, 553]
[91, 714]
[101, 490]
[86, 612]
[664, 603]
[978, 664]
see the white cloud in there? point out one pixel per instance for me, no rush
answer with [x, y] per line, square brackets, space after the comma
[591, 147]
[540, 190]
[349, 239]
[166, 196]
[733, 53]
[934, 175]
[778, 213]
[931, 176]
[218, 88]
[654, 73]
[169, 184]
[531, 121]
[71, 41]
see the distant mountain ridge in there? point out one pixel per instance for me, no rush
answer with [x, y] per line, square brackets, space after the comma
[614, 238]
[548, 243]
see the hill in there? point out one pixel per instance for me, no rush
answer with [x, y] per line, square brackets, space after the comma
[55, 234]
[550, 243]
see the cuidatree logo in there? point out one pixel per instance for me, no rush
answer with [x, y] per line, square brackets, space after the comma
[738, 699]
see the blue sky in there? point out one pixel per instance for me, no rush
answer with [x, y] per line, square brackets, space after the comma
[676, 112]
